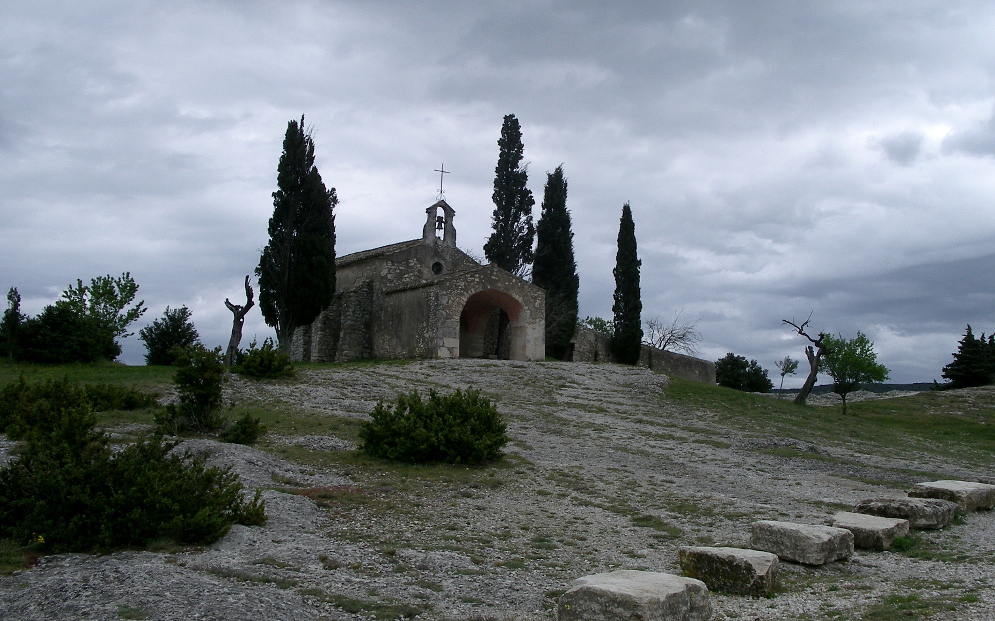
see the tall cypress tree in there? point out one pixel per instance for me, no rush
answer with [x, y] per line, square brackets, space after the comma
[297, 268]
[628, 337]
[555, 269]
[510, 245]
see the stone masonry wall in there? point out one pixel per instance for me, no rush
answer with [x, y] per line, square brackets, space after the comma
[593, 346]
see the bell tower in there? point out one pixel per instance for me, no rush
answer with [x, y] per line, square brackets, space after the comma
[434, 222]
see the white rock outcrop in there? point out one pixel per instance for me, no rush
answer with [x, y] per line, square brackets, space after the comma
[802, 543]
[731, 570]
[871, 532]
[628, 594]
[923, 513]
[969, 496]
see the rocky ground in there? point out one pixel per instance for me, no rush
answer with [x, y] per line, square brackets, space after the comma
[603, 472]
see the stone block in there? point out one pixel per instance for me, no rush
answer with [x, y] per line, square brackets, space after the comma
[968, 496]
[627, 594]
[802, 543]
[732, 570]
[871, 532]
[922, 513]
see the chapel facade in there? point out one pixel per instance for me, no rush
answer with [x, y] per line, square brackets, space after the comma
[425, 298]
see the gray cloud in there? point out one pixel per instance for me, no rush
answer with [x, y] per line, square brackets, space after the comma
[748, 139]
[976, 140]
[902, 148]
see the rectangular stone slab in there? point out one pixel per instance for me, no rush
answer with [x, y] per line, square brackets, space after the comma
[968, 496]
[802, 543]
[732, 570]
[923, 513]
[628, 594]
[871, 532]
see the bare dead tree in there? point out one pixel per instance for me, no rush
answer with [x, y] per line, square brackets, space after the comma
[814, 354]
[676, 336]
[237, 321]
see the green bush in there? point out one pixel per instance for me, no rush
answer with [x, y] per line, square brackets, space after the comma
[24, 405]
[59, 335]
[245, 430]
[263, 362]
[163, 336]
[736, 372]
[199, 377]
[460, 428]
[66, 490]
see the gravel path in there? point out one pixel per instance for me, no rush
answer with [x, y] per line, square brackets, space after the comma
[602, 473]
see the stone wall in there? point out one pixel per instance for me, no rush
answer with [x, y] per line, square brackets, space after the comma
[411, 300]
[592, 346]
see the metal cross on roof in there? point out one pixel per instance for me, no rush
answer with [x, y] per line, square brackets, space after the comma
[442, 171]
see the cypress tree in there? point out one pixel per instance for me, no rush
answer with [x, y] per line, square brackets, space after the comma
[510, 245]
[297, 268]
[628, 336]
[974, 362]
[555, 269]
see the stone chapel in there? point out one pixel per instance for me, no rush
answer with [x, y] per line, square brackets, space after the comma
[425, 298]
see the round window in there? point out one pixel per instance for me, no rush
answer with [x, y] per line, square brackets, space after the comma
[437, 268]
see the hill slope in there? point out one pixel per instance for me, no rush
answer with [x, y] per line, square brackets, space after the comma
[609, 467]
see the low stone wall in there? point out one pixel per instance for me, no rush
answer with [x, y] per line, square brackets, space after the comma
[592, 346]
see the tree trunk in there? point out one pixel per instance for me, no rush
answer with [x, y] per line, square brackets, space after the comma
[813, 361]
[238, 320]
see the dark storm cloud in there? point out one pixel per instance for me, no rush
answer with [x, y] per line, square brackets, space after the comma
[780, 159]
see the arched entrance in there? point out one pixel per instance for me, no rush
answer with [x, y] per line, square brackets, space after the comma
[480, 308]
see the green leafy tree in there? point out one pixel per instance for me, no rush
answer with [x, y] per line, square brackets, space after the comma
[788, 366]
[60, 335]
[110, 300]
[973, 363]
[174, 330]
[297, 268]
[555, 269]
[11, 323]
[510, 244]
[737, 372]
[600, 324]
[851, 362]
[627, 337]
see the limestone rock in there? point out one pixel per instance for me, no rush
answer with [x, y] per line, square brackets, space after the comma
[732, 570]
[802, 543]
[968, 496]
[871, 532]
[923, 513]
[627, 594]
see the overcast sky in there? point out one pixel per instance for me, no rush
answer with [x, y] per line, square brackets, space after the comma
[781, 158]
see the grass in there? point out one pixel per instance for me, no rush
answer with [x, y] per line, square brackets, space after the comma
[151, 379]
[897, 607]
[948, 424]
[14, 557]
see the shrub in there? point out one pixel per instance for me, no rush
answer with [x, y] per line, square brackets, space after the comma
[734, 371]
[263, 362]
[198, 381]
[59, 335]
[24, 405]
[162, 336]
[460, 428]
[245, 430]
[68, 491]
